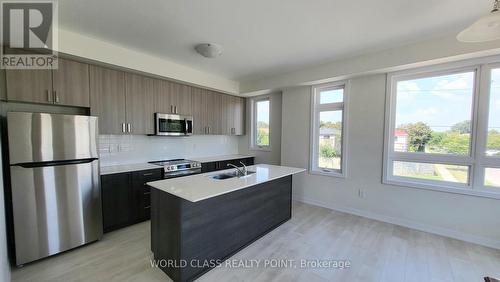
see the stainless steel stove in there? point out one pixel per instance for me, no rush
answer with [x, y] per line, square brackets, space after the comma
[178, 167]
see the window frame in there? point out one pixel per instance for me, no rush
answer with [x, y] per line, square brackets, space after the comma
[476, 160]
[484, 161]
[316, 108]
[254, 146]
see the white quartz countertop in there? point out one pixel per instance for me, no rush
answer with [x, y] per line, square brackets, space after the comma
[199, 187]
[220, 158]
[112, 169]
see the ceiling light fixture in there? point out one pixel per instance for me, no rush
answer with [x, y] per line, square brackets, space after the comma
[487, 28]
[209, 50]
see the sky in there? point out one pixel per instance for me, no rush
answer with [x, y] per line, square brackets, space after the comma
[443, 101]
[331, 96]
[263, 111]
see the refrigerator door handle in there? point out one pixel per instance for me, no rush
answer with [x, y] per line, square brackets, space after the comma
[55, 163]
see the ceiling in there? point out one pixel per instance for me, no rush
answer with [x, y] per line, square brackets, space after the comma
[266, 37]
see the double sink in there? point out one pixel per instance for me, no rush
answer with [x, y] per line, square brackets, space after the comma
[227, 175]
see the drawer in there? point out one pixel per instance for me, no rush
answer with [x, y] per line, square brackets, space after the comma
[147, 212]
[148, 175]
[147, 200]
[146, 189]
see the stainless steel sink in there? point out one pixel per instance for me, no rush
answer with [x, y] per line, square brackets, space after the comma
[228, 175]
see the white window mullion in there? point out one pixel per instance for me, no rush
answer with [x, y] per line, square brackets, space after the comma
[487, 163]
[482, 126]
[333, 104]
[451, 159]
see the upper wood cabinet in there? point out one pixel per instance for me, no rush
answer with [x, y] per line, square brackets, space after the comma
[68, 85]
[125, 102]
[172, 98]
[216, 113]
[213, 101]
[30, 86]
[107, 99]
[238, 115]
[207, 114]
[199, 111]
[71, 84]
[140, 93]
[233, 110]
[180, 97]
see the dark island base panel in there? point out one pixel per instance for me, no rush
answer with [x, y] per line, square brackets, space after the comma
[214, 229]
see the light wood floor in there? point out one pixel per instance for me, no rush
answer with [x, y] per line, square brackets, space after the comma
[377, 251]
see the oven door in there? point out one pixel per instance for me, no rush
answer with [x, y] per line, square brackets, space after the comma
[173, 125]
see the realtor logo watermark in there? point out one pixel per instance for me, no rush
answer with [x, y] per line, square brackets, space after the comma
[28, 34]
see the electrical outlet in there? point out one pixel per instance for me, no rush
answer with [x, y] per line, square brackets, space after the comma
[361, 193]
[113, 148]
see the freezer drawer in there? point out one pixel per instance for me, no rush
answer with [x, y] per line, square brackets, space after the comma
[39, 137]
[55, 207]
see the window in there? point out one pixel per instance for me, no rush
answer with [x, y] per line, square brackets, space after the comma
[261, 122]
[328, 129]
[491, 157]
[493, 140]
[443, 131]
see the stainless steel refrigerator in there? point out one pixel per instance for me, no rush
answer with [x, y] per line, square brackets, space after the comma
[54, 170]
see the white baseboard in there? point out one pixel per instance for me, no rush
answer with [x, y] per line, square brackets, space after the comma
[480, 240]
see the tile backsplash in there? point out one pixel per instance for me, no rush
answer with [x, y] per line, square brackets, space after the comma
[127, 149]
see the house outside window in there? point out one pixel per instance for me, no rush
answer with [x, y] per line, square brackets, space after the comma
[443, 128]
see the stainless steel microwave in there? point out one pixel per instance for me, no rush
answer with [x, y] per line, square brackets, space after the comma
[173, 125]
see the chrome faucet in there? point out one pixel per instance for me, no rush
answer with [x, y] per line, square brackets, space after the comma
[245, 170]
[240, 172]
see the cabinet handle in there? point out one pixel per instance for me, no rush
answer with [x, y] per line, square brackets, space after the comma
[147, 174]
[172, 108]
[56, 97]
[175, 109]
[209, 130]
[49, 99]
[123, 127]
[129, 127]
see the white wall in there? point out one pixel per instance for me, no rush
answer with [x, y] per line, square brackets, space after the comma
[126, 149]
[273, 156]
[4, 257]
[430, 52]
[465, 217]
[90, 48]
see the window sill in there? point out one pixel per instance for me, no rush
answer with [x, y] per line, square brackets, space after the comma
[264, 149]
[329, 174]
[493, 193]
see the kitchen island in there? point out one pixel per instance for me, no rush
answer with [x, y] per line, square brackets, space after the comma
[199, 221]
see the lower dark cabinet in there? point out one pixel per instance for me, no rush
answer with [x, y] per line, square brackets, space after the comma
[220, 165]
[116, 204]
[126, 198]
[208, 167]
